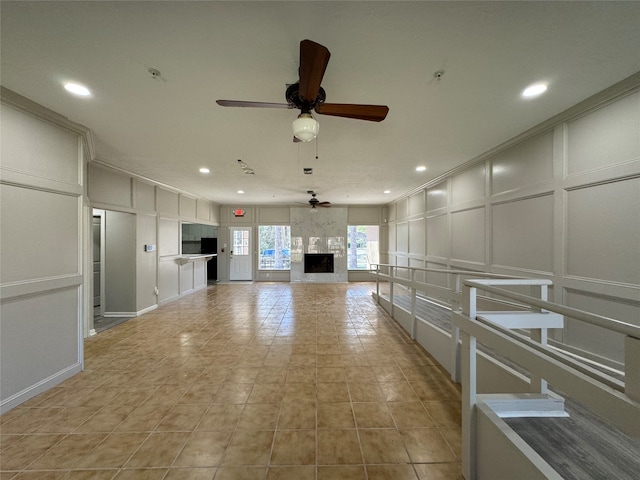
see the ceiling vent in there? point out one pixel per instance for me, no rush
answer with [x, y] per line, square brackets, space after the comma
[308, 171]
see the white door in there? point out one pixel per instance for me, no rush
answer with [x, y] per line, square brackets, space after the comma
[240, 255]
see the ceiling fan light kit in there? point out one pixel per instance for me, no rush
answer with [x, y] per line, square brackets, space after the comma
[305, 127]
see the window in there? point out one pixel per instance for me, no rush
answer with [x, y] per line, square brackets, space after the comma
[275, 247]
[362, 246]
[241, 242]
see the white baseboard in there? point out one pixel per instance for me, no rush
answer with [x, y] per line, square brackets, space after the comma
[169, 300]
[145, 310]
[129, 314]
[36, 389]
[180, 295]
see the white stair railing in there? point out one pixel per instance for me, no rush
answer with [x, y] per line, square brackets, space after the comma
[618, 402]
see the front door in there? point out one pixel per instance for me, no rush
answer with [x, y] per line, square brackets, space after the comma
[240, 259]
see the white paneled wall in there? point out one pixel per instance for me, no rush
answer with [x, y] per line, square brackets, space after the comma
[468, 237]
[561, 203]
[145, 197]
[603, 231]
[146, 263]
[402, 237]
[158, 212]
[22, 154]
[188, 207]
[531, 160]
[438, 232]
[417, 235]
[469, 185]
[604, 138]
[522, 233]
[41, 262]
[303, 225]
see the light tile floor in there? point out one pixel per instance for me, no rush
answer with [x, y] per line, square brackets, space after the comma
[242, 382]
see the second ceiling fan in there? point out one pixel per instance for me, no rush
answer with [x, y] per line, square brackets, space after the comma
[307, 95]
[314, 202]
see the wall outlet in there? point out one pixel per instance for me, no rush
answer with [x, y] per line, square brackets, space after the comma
[156, 291]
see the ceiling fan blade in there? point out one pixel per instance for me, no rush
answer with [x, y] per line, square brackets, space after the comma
[242, 103]
[313, 63]
[323, 204]
[372, 113]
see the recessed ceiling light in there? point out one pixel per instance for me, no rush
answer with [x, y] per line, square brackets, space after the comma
[241, 191]
[534, 90]
[421, 168]
[387, 191]
[205, 170]
[77, 89]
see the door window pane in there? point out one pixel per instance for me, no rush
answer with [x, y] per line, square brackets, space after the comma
[241, 242]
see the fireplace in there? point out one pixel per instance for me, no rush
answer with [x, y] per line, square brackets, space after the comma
[318, 263]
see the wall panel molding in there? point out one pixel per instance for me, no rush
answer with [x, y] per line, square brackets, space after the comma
[35, 182]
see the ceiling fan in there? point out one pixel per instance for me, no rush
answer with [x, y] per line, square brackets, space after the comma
[307, 95]
[314, 202]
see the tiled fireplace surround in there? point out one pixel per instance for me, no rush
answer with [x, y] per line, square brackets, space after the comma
[322, 230]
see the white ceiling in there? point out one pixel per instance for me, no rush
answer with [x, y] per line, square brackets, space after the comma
[381, 53]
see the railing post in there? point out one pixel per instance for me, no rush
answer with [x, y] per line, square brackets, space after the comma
[455, 305]
[455, 334]
[542, 292]
[455, 354]
[537, 383]
[468, 355]
[392, 275]
[469, 295]
[632, 368]
[413, 306]
[378, 283]
[540, 335]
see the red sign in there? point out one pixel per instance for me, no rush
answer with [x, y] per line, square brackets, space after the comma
[238, 212]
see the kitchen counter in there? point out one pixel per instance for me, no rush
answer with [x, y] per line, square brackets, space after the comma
[183, 259]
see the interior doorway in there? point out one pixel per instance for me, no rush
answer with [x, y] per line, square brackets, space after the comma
[97, 284]
[113, 279]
